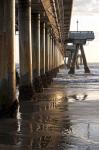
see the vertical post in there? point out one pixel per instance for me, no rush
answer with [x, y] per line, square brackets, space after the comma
[7, 50]
[42, 51]
[36, 44]
[25, 49]
[84, 60]
[47, 50]
[69, 59]
[56, 56]
[50, 51]
[54, 71]
[42, 56]
[38, 27]
[36, 52]
[81, 61]
[77, 25]
[44, 44]
[77, 62]
[53, 52]
[47, 56]
[49, 46]
[72, 68]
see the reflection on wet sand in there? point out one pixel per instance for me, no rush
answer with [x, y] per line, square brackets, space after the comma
[38, 124]
[48, 124]
[79, 97]
[56, 120]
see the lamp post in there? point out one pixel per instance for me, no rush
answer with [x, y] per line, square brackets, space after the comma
[77, 24]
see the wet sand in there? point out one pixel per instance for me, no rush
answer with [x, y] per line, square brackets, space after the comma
[64, 117]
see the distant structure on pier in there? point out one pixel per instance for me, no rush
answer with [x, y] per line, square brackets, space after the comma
[77, 40]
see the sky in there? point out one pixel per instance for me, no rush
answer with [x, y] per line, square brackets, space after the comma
[87, 13]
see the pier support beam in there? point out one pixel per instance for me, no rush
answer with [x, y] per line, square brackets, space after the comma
[26, 89]
[7, 65]
[47, 56]
[53, 44]
[47, 50]
[54, 68]
[42, 49]
[42, 56]
[56, 56]
[50, 53]
[54, 53]
[84, 60]
[69, 60]
[37, 83]
[81, 60]
[77, 63]
[72, 68]
[74, 60]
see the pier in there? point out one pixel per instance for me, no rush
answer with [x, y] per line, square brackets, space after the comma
[42, 32]
[50, 103]
[79, 39]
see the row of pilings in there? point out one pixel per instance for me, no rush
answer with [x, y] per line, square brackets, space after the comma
[39, 54]
[75, 59]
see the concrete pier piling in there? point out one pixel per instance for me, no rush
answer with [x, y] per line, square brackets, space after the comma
[72, 68]
[46, 50]
[42, 49]
[55, 69]
[54, 53]
[37, 82]
[42, 55]
[75, 60]
[69, 60]
[47, 55]
[25, 47]
[50, 52]
[84, 60]
[7, 49]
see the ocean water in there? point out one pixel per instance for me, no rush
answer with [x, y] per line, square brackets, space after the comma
[64, 117]
[81, 92]
[80, 83]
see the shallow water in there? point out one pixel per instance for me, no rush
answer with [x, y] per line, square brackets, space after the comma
[64, 117]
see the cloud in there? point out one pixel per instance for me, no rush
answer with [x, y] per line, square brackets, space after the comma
[86, 7]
